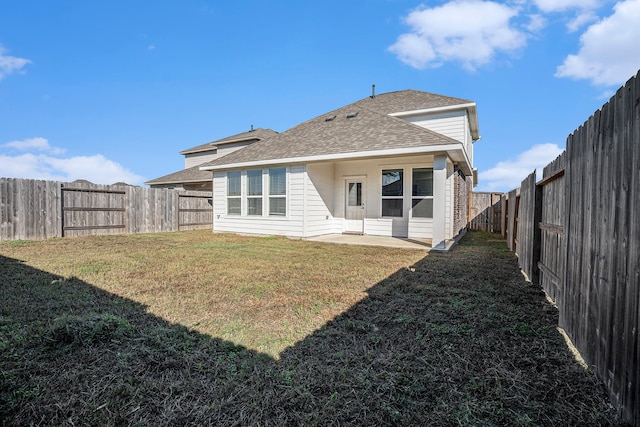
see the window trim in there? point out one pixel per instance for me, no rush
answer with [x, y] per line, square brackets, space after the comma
[234, 197]
[278, 196]
[265, 197]
[400, 197]
[255, 196]
[414, 197]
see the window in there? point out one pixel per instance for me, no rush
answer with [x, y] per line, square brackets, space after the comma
[278, 191]
[254, 192]
[392, 192]
[234, 193]
[355, 194]
[422, 193]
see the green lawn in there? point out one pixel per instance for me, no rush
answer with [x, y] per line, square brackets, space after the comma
[200, 328]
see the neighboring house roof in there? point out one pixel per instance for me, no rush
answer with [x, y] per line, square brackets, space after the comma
[369, 132]
[193, 174]
[254, 134]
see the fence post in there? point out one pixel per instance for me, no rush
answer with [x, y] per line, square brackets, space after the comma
[61, 210]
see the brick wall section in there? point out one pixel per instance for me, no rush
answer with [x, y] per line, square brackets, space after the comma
[462, 189]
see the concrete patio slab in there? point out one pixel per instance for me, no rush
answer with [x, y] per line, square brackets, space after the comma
[366, 240]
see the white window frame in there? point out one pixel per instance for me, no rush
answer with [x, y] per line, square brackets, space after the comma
[383, 197]
[414, 197]
[234, 197]
[255, 196]
[284, 196]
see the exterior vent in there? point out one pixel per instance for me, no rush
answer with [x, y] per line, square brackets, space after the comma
[351, 115]
[328, 119]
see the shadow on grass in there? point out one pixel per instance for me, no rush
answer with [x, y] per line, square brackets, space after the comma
[458, 339]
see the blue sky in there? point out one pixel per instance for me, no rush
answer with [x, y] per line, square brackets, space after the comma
[112, 91]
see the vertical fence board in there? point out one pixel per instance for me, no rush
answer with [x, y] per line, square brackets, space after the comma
[526, 225]
[503, 215]
[512, 219]
[4, 209]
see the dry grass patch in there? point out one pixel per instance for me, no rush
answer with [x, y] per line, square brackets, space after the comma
[264, 293]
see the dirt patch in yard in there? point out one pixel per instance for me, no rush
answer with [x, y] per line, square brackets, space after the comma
[452, 339]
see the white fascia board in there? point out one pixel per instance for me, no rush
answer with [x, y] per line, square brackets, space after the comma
[468, 106]
[200, 150]
[471, 107]
[341, 156]
[177, 181]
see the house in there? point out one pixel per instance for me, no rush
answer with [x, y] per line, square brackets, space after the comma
[395, 164]
[191, 177]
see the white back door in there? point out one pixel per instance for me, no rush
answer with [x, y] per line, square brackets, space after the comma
[354, 215]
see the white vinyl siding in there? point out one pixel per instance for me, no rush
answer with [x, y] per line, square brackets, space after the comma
[421, 228]
[449, 194]
[195, 159]
[224, 149]
[453, 124]
[469, 146]
[319, 189]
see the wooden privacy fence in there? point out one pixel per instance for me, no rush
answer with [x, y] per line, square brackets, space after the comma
[485, 212]
[577, 233]
[34, 209]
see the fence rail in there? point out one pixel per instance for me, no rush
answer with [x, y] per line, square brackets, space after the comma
[34, 209]
[577, 232]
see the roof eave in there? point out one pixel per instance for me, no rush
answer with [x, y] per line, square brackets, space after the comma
[175, 181]
[454, 150]
[201, 150]
[215, 144]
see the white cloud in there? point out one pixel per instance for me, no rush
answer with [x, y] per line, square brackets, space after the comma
[10, 64]
[610, 52]
[507, 175]
[584, 10]
[580, 20]
[536, 23]
[466, 31]
[562, 5]
[38, 144]
[96, 168]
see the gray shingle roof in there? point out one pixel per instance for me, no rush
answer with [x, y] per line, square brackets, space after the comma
[255, 134]
[193, 174]
[408, 100]
[372, 129]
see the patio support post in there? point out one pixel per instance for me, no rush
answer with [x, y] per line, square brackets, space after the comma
[439, 202]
